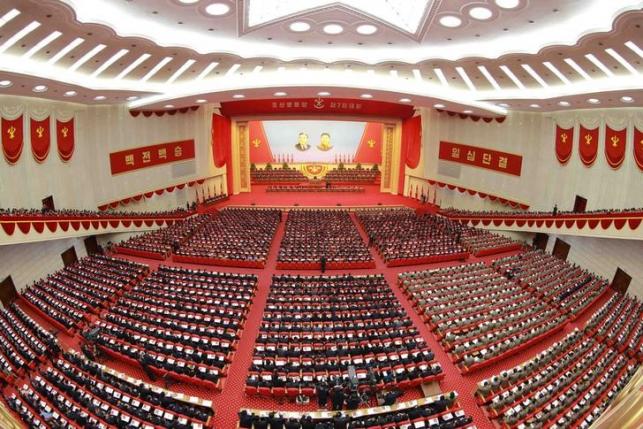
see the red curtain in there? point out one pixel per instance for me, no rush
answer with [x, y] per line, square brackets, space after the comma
[411, 145]
[12, 139]
[638, 147]
[65, 139]
[40, 138]
[221, 139]
[588, 145]
[615, 146]
[564, 143]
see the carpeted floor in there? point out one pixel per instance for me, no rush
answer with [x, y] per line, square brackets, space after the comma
[231, 398]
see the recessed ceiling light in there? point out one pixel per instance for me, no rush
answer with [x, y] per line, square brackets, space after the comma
[366, 96]
[323, 93]
[450, 21]
[627, 99]
[564, 103]
[333, 29]
[70, 93]
[132, 98]
[40, 88]
[238, 96]
[217, 9]
[480, 13]
[439, 106]
[169, 106]
[535, 106]
[99, 97]
[188, 1]
[505, 105]
[5, 83]
[508, 4]
[405, 100]
[367, 29]
[299, 26]
[593, 101]
[467, 111]
[201, 101]
[280, 94]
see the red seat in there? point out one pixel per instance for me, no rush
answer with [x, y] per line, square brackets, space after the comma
[250, 390]
[263, 390]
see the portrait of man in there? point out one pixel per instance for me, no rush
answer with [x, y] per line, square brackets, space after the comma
[324, 142]
[302, 142]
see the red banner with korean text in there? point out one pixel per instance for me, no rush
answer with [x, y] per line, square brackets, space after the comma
[65, 139]
[615, 146]
[142, 157]
[40, 132]
[638, 147]
[564, 143]
[480, 157]
[12, 139]
[588, 145]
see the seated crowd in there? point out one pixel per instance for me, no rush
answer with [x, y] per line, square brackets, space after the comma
[480, 242]
[352, 175]
[179, 322]
[88, 214]
[75, 392]
[314, 188]
[619, 322]
[435, 412]
[479, 315]
[329, 234]
[215, 199]
[452, 212]
[23, 342]
[569, 384]
[68, 296]
[240, 235]
[564, 285]
[160, 243]
[404, 238]
[315, 327]
[269, 175]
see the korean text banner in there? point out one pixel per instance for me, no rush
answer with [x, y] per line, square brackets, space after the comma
[142, 157]
[481, 157]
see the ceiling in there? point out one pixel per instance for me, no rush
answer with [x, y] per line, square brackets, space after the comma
[502, 54]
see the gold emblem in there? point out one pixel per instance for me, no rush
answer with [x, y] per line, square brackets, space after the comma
[588, 138]
[40, 131]
[12, 132]
[615, 141]
[256, 142]
[371, 143]
[319, 103]
[65, 131]
[563, 137]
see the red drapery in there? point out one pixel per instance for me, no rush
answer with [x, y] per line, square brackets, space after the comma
[221, 139]
[615, 146]
[40, 138]
[65, 139]
[588, 145]
[411, 145]
[369, 150]
[259, 145]
[12, 139]
[638, 147]
[564, 143]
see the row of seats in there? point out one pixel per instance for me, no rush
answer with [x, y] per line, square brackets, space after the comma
[480, 242]
[68, 296]
[180, 322]
[404, 238]
[567, 385]
[521, 214]
[435, 412]
[315, 327]
[313, 234]
[160, 243]
[243, 235]
[44, 214]
[276, 175]
[619, 322]
[314, 188]
[562, 284]
[352, 175]
[479, 316]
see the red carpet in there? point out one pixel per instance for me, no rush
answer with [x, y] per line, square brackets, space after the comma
[231, 398]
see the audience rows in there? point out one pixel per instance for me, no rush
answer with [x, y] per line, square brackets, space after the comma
[480, 242]
[452, 212]
[44, 214]
[276, 175]
[314, 188]
[353, 175]
[328, 237]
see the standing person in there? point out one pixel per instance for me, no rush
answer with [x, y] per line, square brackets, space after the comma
[338, 398]
[323, 263]
[322, 395]
[555, 212]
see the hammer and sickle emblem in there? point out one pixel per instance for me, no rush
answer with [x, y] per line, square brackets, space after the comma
[40, 130]
[319, 103]
[615, 141]
[12, 132]
[65, 131]
[588, 139]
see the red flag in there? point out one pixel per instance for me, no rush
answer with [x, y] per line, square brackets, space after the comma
[40, 132]
[564, 142]
[12, 139]
[65, 139]
[615, 146]
[638, 147]
[588, 145]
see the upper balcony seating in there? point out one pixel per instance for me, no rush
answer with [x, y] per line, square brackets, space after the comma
[160, 243]
[43, 214]
[452, 212]
[435, 412]
[311, 234]
[235, 237]
[405, 238]
[561, 284]
[353, 175]
[67, 296]
[82, 395]
[619, 322]
[479, 316]
[568, 385]
[180, 322]
[277, 175]
[315, 327]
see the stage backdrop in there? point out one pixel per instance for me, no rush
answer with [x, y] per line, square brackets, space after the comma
[303, 141]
